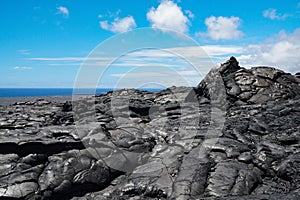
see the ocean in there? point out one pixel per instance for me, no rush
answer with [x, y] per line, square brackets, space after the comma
[36, 92]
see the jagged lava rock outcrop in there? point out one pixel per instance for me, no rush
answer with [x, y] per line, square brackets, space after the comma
[234, 136]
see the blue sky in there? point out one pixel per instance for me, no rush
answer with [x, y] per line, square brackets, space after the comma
[44, 43]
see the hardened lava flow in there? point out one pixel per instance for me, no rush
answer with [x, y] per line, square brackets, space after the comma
[165, 142]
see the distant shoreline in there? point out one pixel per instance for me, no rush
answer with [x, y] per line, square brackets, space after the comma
[54, 92]
[43, 92]
[5, 101]
[8, 100]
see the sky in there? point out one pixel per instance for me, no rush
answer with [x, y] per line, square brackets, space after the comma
[142, 43]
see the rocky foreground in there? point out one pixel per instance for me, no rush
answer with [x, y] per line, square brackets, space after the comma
[235, 136]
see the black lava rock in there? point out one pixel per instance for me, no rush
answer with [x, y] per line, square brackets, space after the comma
[235, 136]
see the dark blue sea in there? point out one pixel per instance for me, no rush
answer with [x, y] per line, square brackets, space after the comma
[36, 92]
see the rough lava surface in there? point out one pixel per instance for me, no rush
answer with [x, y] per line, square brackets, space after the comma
[179, 143]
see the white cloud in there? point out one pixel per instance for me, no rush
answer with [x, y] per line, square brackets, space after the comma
[22, 68]
[223, 28]
[73, 61]
[24, 52]
[166, 74]
[161, 53]
[135, 64]
[282, 51]
[190, 14]
[119, 25]
[161, 77]
[63, 10]
[207, 50]
[110, 14]
[140, 74]
[70, 58]
[272, 14]
[168, 15]
[104, 25]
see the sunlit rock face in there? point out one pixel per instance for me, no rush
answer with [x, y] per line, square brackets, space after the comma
[234, 136]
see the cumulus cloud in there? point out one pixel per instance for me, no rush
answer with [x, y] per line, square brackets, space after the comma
[283, 51]
[272, 14]
[223, 28]
[119, 25]
[63, 11]
[170, 16]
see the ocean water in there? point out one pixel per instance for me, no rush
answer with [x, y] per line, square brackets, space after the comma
[36, 92]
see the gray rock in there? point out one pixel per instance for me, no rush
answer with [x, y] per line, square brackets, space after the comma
[234, 136]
